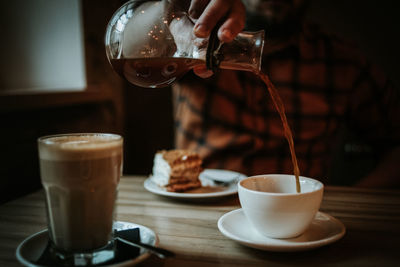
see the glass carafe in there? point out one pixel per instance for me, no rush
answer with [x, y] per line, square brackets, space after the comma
[152, 44]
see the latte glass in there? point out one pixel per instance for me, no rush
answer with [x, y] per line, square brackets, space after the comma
[80, 174]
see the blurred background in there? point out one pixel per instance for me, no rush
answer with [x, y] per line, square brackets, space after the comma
[55, 78]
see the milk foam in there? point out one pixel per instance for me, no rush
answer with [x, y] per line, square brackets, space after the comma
[79, 146]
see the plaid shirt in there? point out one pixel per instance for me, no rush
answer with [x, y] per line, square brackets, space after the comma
[325, 85]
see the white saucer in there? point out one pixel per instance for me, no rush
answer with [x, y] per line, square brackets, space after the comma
[324, 230]
[29, 251]
[221, 175]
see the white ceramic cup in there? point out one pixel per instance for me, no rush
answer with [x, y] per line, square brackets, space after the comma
[272, 205]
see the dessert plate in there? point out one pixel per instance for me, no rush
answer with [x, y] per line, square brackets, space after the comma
[215, 183]
[324, 230]
[29, 251]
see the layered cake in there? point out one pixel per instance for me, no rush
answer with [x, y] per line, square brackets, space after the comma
[177, 170]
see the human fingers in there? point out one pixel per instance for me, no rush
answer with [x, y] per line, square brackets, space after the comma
[202, 71]
[233, 24]
[232, 11]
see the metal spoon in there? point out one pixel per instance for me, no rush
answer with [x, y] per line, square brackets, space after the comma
[219, 182]
[159, 252]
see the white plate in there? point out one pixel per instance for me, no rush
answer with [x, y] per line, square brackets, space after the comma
[221, 175]
[324, 230]
[29, 251]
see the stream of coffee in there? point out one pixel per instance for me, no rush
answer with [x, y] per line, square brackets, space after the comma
[276, 99]
[161, 72]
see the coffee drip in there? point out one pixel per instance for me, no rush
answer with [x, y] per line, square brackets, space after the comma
[151, 44]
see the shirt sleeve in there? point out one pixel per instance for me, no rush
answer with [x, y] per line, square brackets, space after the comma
[375, 109]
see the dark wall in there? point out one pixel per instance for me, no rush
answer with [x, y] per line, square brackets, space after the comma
[148, 126]
[19, 169]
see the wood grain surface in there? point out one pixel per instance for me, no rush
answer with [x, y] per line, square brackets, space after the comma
[371, 217]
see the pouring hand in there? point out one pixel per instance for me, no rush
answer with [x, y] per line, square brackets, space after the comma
[209, 12]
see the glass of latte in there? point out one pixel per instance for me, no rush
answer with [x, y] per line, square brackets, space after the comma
[80, 174]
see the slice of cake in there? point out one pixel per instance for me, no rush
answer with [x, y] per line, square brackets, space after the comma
[177, 170]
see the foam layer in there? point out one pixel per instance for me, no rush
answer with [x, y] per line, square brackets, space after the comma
[79, 146]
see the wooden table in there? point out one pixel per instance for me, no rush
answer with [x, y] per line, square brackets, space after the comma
[372, 219]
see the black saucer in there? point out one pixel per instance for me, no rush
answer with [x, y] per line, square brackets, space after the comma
[34, 251]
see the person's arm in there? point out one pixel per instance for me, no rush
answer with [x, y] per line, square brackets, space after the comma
[376, 119]
[386, 174]
[208, 13]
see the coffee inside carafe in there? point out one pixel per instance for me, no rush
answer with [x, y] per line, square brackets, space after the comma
[152, 44]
